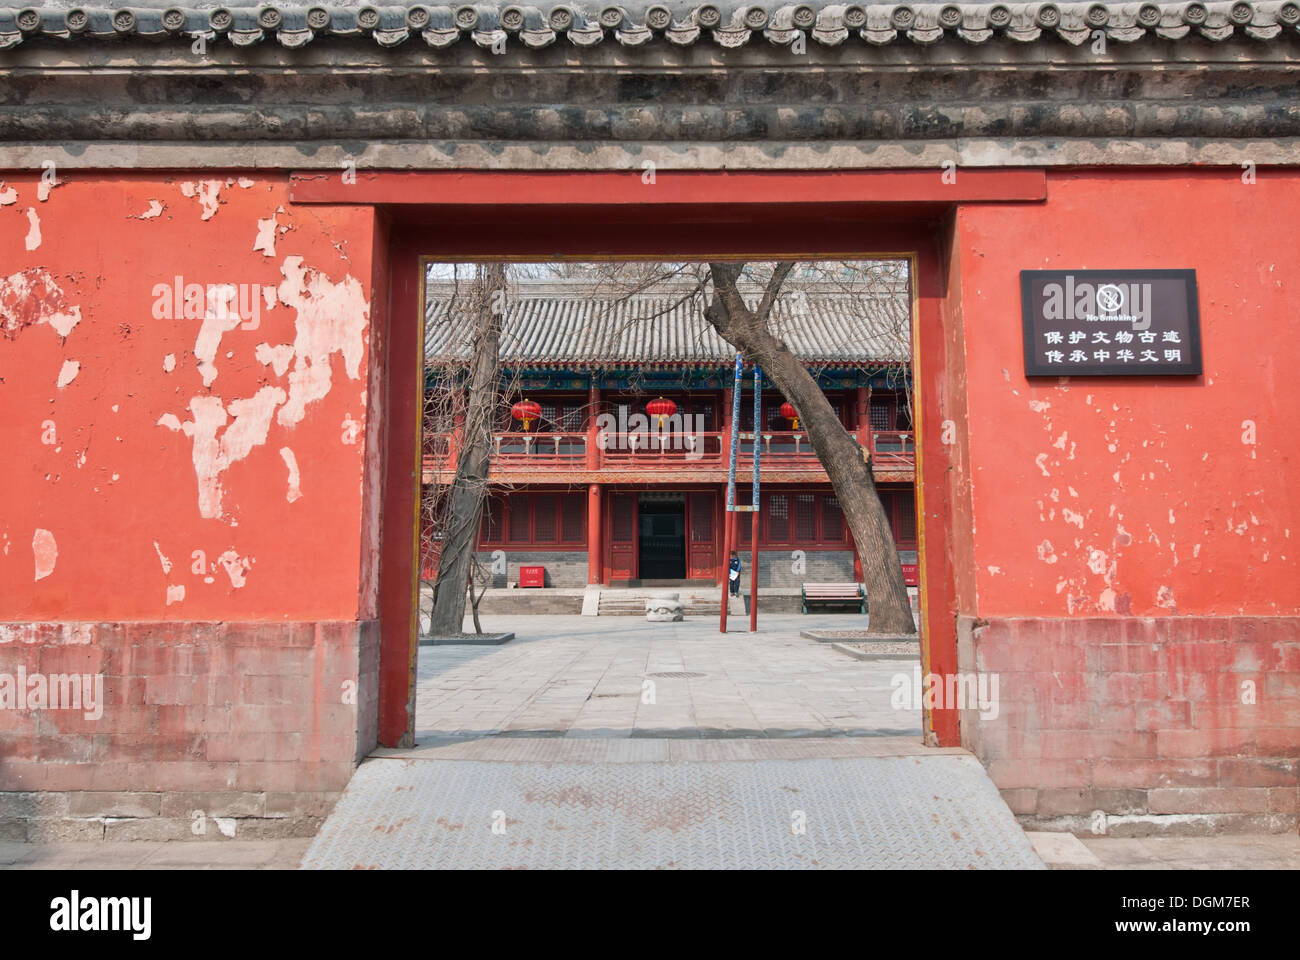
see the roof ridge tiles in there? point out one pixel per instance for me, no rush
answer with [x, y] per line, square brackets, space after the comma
[585, 25]
[652, 328]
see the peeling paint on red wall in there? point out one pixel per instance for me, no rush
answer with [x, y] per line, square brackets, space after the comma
[1138, 496]
[180, 364]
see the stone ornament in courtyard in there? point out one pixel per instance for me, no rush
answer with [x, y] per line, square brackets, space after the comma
[665, 609]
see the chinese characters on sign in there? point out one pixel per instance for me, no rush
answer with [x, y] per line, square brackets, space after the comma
[1110, 322]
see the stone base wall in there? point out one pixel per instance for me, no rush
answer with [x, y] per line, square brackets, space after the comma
[207, 730]
[792, 568]
[564, 568]
[1136, 727]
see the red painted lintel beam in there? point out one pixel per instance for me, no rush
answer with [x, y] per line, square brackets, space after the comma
[670, 188]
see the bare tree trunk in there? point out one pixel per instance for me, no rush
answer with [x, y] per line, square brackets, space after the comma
[846, 462]
[474, 599]
[464, 504]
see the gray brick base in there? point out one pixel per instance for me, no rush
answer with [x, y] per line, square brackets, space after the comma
[564, 568]
[49, 817]
[777, 568]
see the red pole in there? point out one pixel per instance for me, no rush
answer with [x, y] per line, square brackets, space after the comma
[733, 446]
[753, 570]
[726, 560]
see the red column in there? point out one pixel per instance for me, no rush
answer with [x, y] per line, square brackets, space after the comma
[862, 409]
[753, 570]
[728, 544]
[728, 526]
[595, 537]
[593, 412]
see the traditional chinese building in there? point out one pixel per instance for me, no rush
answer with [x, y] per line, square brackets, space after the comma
[597, 487]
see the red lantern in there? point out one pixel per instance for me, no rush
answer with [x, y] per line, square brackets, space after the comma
[527, 411]
[661, 408]
[790, 413]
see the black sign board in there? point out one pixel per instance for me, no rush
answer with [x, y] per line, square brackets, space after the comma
[1106, 323]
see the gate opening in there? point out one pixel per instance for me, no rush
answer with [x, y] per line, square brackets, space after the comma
[583, 413]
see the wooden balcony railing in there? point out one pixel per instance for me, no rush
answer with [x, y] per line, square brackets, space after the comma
[893, 449]
[648, 449]
[790, 449]
[539, 451]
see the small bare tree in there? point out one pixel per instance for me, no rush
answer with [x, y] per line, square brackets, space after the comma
[456, 511]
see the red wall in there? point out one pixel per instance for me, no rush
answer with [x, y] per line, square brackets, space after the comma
[219, 595]
[116, 489]
[1123, 596]
[1137, 496]
[1130, 575]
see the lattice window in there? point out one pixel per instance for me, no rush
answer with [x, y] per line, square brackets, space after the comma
[882, 413]
[623, 526]
[832, 519]
[778, 518]
[702, 518]
[805, 525]
[705, 409]
[544, 509]
[573, 519]
[906, 517]
[519, 511]
[571, 417]
[491, 524]
[903, 419]
[772, 419]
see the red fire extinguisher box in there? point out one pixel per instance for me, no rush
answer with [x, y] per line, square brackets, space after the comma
[532, 576]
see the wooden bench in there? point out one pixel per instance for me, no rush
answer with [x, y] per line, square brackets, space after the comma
[834, 593]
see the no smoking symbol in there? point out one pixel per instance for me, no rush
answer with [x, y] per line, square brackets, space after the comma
[1109, 298]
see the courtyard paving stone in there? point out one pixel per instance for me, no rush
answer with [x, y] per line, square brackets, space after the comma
[584, 677]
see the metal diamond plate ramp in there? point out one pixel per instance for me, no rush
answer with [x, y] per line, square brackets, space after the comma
[816, 813]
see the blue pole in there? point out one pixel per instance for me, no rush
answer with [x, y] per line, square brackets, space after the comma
[735, 437]
[731, 493]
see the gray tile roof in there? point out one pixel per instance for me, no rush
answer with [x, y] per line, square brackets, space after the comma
[557, 326]
[724, 24]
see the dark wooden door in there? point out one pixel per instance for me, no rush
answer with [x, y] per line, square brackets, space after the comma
[701, 526]
[622, 550]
